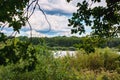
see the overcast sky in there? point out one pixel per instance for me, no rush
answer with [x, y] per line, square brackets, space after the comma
[58, 12]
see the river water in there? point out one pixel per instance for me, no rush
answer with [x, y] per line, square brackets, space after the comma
[63, 53]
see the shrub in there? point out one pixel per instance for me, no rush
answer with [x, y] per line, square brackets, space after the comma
[82, 66]
[101, 58]
[111, 59]
[18, 52]
[118, 70]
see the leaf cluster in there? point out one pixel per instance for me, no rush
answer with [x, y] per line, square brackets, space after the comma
[104, 21]
[14, 51]
[11, 12]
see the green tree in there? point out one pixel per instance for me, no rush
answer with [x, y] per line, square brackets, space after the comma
[103, 20]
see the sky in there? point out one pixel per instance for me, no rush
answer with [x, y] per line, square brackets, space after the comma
[58, 12]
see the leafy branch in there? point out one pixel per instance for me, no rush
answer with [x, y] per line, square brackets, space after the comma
[16, 15]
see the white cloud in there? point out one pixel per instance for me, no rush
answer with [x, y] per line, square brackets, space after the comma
[102, 3]
[57, 4]
[58, 22]
[34, 34]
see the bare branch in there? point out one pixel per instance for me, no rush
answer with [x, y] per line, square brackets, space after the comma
[2, 27]
[45, 18]
[91, 4]
[11, 34]
[28, 6]
[30, 28]
[32, 11]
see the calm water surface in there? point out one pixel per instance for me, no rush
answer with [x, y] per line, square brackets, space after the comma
[63, 53]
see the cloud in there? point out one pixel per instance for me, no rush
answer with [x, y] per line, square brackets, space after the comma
[102, 3]
[57, 12]
[38, 23]
[57, 7]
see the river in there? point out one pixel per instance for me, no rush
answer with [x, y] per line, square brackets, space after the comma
[64, 53]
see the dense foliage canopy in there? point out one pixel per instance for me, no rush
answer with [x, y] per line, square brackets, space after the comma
[103, 20]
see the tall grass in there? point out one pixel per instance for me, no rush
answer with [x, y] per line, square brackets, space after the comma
[103, 64]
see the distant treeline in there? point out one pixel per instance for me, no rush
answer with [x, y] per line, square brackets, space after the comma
[65, 42]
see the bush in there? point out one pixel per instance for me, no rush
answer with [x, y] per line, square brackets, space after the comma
[31, 65]
[24, 54]
[101, 58]
[18, 52]
[111, 59]
[118, 70]
[82, 66]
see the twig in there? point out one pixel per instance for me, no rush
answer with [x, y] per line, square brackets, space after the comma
[45, 18]
[90, 4]
[32, 11]
[28, 6]
[15, 33]
[11, 34]
[2, 27]
[30, 28]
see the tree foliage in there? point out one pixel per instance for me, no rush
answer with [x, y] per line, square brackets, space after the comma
[103, 20]
[73, 43]
[13, 51]
[11, 12]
